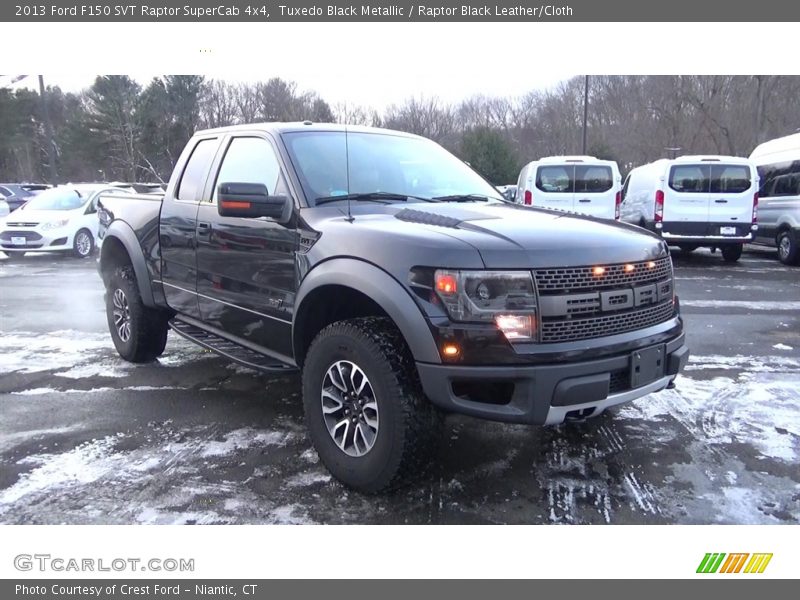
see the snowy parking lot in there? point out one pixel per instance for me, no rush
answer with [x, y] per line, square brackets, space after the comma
[88, 438]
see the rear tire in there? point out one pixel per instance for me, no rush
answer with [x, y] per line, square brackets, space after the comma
[688, 248]
[389, 415]
[139, 332]
[83, 244]
[732, 253]
[788, 247]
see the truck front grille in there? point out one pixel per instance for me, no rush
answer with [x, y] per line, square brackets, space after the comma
[577, 303]
[565, 330]
[573, 279]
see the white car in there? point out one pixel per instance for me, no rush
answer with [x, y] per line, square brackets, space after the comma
[4, 209]
[579, 184]
[63, 218]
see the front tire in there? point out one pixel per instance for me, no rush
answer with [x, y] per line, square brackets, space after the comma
[788, 248]
[732, 253]
[139, 333]
[688, 248]
[83, 244]
[365, 410]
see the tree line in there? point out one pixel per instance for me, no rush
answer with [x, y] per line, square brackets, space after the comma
[118, 129]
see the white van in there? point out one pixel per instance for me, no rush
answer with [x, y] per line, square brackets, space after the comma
[694, 201]
[778, 164]
[580, 184]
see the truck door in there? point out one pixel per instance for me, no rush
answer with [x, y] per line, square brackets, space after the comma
[177, 230]
[246, 266]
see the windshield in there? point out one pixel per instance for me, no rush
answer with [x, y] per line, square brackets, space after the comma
[394, 164]
[56, 199]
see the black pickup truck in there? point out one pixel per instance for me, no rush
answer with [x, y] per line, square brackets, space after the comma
[397, 280]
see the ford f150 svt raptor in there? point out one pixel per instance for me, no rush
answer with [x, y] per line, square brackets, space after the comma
[396, 279]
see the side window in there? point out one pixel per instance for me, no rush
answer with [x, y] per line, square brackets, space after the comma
[194, 175]
[774, 178]
[251, 160]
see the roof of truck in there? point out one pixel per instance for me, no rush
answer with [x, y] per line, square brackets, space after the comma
[280, 128]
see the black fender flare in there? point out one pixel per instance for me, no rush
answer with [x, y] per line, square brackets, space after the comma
[384, 290]
[122, 232]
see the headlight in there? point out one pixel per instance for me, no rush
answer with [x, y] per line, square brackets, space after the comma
[505, 298]
[55, 224]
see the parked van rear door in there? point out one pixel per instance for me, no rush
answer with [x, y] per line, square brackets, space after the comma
[687, 194]
[555, 187]
[731, 195]
[595, 193]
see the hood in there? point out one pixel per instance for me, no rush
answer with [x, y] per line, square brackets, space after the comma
[510, 236]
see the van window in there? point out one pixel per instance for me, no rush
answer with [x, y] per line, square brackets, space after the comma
[779, 179]
[593, 179]
[730, 179]
[557, 180]
[689, 179]
[715, 179]
[194, 175]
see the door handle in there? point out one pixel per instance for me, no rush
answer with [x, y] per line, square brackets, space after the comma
[203, 227]
[584, 200]
[720, 201]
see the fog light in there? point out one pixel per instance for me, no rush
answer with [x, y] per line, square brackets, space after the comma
[598, 271]
[515, 327]
[629, 268]
[450, 350]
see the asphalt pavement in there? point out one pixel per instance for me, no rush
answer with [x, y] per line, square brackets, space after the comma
[88, 438]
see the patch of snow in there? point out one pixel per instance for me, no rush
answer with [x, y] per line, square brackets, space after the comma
[782, 347]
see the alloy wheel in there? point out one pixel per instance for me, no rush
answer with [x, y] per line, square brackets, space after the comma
[349, 408]
[122, 315]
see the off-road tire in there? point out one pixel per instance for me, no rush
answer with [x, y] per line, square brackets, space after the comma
[147, 327]
[409, 425]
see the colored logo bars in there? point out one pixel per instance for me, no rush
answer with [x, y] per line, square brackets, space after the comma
[734, 563]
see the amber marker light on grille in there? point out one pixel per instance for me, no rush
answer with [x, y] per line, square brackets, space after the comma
[629, 268]
[598, 271]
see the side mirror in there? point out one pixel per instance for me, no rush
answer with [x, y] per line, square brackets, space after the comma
[251, 200]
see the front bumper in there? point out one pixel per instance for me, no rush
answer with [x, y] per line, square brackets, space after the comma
[36, 239]
[545, 394]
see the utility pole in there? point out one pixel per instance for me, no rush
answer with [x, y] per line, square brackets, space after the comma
[585, 109]
[48, 128]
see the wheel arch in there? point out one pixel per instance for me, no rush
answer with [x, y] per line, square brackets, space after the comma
[120, 247]
[343, 288]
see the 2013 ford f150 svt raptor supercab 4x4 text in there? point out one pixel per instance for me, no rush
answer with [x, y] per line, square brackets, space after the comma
[396, 279]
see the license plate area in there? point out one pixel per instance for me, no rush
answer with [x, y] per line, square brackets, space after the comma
[647, 365]
[727, 230]
[18, 241]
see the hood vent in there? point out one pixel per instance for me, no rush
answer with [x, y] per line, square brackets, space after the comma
[426, 218]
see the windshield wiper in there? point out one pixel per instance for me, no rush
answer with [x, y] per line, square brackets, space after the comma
[462, 198]
[382, 197]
